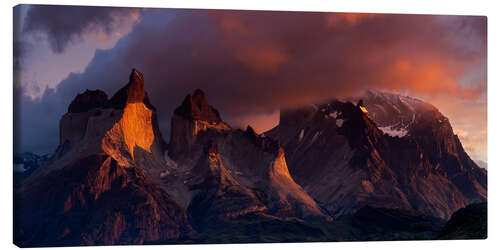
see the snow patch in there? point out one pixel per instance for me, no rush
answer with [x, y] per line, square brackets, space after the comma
[389, 130]
[301, 135]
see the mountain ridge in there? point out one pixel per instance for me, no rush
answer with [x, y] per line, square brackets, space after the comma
[321, 162]
[382, 169]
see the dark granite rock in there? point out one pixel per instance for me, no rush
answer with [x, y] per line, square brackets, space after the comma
[470, 222]
[88, 100]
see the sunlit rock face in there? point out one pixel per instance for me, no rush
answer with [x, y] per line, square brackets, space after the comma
[340, 153]
[253, 166]
[108, 167]
[119, 127]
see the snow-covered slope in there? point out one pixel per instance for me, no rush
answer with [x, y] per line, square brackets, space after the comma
[395, 114]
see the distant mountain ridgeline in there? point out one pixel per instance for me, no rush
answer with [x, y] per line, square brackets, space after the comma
[26, 163]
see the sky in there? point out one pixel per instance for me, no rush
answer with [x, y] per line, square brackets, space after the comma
[249, 63]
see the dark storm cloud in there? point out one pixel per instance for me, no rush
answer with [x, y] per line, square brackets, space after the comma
[256, 62]
[20, 48]
[63, 25]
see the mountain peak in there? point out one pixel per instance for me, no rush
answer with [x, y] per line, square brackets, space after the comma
[133, 92]
[126, 121]
[193, 116]
[250, 131]
[88, 100]
[195, 107]
[199, 97]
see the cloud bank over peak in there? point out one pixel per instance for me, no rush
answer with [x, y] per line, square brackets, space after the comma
[252, 63]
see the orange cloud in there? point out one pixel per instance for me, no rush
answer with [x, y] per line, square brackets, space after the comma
[430, 77]
[261, 59]
[232, 25]
[250, 49]
[347, 19]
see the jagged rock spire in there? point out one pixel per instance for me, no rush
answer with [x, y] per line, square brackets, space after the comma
[193, 116]
[195, 107]
[133, 92]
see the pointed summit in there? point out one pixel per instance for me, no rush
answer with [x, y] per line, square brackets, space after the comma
[250, 131]
[193, 116]
[133, 92]
[195, 107]
[119, 127]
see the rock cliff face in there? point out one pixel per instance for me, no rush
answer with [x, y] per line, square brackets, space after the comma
[253, 167]
[431, 132]
[339, 154]
[107, 168]
[124, 127]
[219, 195]
[192, 117]
[95, 201]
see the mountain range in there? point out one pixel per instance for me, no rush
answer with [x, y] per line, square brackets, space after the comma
[377, 167]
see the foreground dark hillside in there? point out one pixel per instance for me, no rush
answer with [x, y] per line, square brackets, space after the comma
[470, 222]
[368, 224]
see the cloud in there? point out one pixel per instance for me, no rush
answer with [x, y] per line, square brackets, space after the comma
[252, 63]
[63, 25]
[339, 20]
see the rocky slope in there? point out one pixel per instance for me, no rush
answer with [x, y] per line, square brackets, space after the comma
[102, 185]
[95, 201]
[431, 131]
[219, 195]
[245, 167]
[339, 154]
